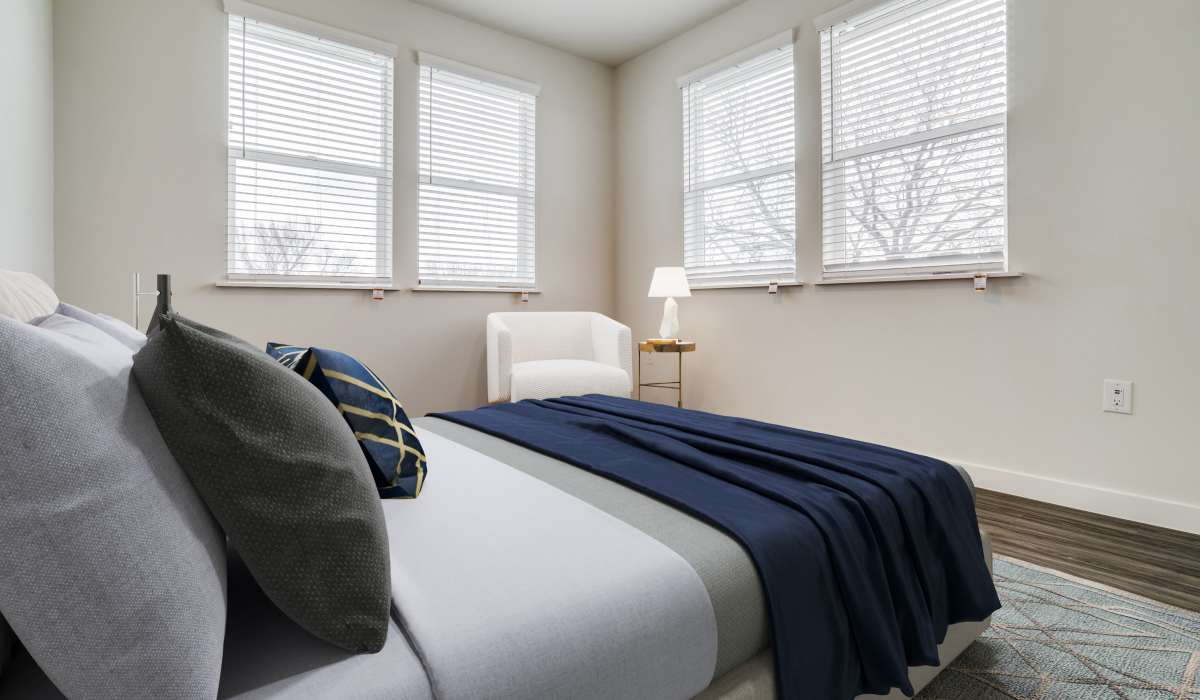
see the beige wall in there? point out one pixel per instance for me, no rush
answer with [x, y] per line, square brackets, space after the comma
[1104, 220]
[141, 184]
[26, 138]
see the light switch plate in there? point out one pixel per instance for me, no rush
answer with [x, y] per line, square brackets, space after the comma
[1118, 396]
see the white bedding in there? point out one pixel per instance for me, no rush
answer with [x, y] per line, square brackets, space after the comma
[510, 588]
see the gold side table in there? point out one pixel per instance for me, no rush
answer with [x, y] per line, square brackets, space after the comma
[676, 346]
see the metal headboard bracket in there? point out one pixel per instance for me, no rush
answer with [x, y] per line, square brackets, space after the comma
[162, 303]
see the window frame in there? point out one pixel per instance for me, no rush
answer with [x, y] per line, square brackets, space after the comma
[909, 267]
[694, 190]
[384, 175]
[524, 193]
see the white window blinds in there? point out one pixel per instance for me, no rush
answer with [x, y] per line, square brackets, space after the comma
[913, 97]
[739, 169]
[310, 158]
[476, 209]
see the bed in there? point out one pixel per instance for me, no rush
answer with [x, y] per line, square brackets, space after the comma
[518, 575]
[598, 547]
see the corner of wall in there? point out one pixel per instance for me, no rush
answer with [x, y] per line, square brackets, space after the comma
[614, 197]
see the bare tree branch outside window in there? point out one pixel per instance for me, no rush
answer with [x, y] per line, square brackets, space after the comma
[476, 222]
[309, 157]
[739, 150]
[920, 124]
[290, 248]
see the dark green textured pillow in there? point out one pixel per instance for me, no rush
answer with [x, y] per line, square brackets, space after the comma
[276, 465]
[372, 411]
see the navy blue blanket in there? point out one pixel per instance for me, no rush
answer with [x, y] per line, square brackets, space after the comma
[866, 554]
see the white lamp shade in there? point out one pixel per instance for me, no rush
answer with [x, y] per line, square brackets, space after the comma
[669, 282]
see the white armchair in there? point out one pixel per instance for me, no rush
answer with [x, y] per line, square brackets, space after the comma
[540, 355]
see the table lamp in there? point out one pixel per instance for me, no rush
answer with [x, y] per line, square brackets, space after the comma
[669, 282]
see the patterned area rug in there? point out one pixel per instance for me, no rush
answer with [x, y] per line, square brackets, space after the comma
[1062, 637]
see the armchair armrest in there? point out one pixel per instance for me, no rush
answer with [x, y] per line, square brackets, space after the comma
[499, 359]
[612, 344]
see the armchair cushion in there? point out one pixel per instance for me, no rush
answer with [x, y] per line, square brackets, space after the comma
[544, 379]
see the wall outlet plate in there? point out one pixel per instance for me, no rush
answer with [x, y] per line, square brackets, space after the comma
[1118, 396]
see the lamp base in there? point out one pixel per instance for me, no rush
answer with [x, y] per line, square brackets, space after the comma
[668, 330]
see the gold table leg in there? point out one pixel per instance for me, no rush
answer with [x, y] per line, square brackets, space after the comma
[679, 374]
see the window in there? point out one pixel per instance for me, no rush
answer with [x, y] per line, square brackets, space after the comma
[739, 168]
[913, 99]
[310, 156]
[476, 211]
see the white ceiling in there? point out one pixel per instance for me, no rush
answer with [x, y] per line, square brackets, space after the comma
[608, 31]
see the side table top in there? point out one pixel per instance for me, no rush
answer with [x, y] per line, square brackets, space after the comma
[656, 345]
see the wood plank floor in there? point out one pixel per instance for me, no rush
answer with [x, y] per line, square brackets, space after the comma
[1151, 561]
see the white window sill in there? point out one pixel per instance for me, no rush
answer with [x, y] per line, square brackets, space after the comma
[914, 278]
[266, 284]
[468, 288]
[741, 285]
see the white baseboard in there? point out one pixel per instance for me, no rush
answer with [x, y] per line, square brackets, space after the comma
[1094, 499]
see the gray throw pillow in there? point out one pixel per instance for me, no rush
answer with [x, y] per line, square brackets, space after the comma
[112, 571]
[281, 472]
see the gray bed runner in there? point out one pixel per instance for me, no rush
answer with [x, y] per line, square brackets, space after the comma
[723, 566]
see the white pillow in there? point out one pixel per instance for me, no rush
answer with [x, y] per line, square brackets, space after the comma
[25, 297]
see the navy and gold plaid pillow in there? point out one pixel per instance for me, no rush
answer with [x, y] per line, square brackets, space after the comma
[378, 420]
